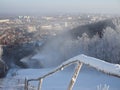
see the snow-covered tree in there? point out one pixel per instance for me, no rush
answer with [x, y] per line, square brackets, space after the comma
[1, 51]
[106, 48]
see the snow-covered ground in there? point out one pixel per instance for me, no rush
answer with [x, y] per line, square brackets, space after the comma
[88, 79]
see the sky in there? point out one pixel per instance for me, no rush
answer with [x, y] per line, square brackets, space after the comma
[59, 6]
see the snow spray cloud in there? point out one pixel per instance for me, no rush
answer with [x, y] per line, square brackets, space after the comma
[56, 50]
[64, 46]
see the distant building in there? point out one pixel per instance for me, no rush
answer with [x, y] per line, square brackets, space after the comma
[69, 18]
[4, 21]
[47, 18]
[46, 27]
[66, 24]
[57, 26]
[31, 29]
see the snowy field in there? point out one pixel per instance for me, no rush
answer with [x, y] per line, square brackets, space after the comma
[88, 79]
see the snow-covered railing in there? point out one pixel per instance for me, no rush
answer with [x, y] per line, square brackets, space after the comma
[111, 69]
[61, 67]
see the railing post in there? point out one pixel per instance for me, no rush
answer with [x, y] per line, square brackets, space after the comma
[75, 75]
[40, 84]
[26, 84]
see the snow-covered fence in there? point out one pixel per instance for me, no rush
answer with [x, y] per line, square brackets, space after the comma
[108, 68]
[61, 67]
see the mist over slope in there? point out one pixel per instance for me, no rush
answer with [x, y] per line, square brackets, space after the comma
[82, 39]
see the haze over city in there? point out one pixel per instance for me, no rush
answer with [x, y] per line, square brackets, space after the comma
[39, 36]
[59, 6]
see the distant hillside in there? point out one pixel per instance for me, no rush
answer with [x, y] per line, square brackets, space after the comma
[62, 46]
[92, 29]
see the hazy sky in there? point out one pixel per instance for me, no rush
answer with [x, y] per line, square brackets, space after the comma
[55, 6]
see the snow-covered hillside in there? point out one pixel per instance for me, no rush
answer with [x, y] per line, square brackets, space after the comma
[88, 79]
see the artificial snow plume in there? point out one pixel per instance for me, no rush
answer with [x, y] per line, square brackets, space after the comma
[31, 63]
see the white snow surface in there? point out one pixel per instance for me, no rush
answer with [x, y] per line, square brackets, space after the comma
[101, 65]
[88, 79]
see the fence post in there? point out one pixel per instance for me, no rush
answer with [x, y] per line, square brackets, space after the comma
[26, 84]
[40, 84]
[75, 75]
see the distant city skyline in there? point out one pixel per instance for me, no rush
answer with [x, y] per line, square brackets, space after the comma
[59, 6]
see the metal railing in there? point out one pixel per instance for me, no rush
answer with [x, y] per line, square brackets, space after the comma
[73, 79]
[78, 60]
